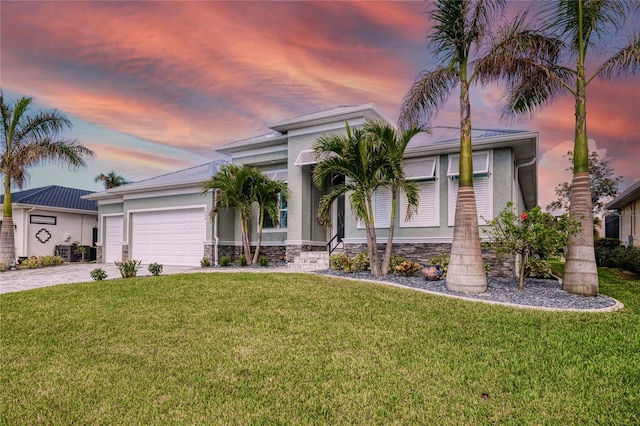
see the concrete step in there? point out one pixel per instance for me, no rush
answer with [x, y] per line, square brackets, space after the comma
[310, 260]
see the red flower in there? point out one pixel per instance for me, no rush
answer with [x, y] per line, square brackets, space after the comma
[524, 216]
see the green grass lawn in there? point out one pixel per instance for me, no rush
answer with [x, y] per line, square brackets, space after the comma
[303, 349]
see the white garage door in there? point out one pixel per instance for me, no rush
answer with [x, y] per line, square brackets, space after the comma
[112, 241]
[169, 237]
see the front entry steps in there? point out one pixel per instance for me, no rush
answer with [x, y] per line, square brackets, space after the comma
[310, 261]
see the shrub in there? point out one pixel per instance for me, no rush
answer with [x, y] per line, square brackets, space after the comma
[263, 260]
[128, 268]
[155, 269]
[361, 262]
[2, 267]
[98, 274]
[31, 263]
[340, 262]
[442, 260]
[407, 268]
[396, 259]
[51, 260]
[538, 267]
[225, 261]
[242, 260]
[205, 263]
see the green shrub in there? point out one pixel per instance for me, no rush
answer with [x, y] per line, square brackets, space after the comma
[205, 263]
[442, 260]
[360, 262]
[2, 267]
[339, 261]
[538, 267]
[98, 274]
[396, 259]
[242, 260]
[30, 263]
[263, 260]
[225, 261]
[155, 269]
[128, 268]
[51, 260]
[407, 268]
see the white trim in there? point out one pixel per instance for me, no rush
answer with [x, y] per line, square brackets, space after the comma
[305, 243]
[410, 166]
[162, 193]
[101, 224]
[479, 166]
[157, 209]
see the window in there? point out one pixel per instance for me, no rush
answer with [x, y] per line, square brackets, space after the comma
[42, 220]
[423, 172]
[282, 214]
[482, 186]
[381, 200]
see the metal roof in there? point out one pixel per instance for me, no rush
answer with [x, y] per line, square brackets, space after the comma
[626, 197]
[54, 196]
[443, 135]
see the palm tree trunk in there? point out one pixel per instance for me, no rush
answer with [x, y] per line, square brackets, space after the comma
[388, 251]
[580, 270]
[245, 237]
[374, 261]
[256, 254]
[466, 267]
[7, 236]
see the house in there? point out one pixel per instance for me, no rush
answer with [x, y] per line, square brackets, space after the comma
[624, 217]
[505, 170]
[51, 216]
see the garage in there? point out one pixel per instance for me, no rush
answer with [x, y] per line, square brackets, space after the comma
[169, 237]
[112, 244]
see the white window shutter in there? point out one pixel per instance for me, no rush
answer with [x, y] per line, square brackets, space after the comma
[382, 207]
[428, 208]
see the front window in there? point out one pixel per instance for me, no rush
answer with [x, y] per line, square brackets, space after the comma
[282, 214]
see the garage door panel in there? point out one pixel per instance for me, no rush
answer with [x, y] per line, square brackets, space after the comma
[171, 237]
[112, 242]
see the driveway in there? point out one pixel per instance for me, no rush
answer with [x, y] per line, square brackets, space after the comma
[27, 279]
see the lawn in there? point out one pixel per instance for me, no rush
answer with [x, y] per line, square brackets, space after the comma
[304, 349]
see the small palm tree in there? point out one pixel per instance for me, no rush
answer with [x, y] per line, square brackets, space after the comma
[461, 26]
[267, 193]
[393, 146]
[111, 180]
[575, 27]
[29, 140]
[233, 184]
[360, 160]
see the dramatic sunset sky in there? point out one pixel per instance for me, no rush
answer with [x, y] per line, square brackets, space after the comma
[154, 87]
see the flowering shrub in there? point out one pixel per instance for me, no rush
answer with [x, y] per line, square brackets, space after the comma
[530, 233]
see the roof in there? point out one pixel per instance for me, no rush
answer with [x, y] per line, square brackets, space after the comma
[444, 135]
[341, 113]
[54, 196]
[190, 176]
[630, 194]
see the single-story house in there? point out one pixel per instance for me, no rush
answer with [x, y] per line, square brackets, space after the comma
[52, 216]
[624, 213]
[165, 219]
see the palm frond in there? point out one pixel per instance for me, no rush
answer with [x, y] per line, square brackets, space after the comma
[428, 93]
[623, 63]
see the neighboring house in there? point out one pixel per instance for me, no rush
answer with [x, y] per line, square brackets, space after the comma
[504, 165]
[626, 207]
[46, 217]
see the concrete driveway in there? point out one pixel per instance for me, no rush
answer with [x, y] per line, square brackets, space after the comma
[27, 279]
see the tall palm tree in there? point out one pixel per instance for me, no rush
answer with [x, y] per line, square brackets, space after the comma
[111, 179]
[360, 160]
[234, 184]
[577, 27]
[393, 145]
[461, 26]
[29, 140]
[267, 193]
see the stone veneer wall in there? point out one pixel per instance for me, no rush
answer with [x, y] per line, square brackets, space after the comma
[273, 253]
[99, 254]
[500, 265]
[295, 250]
[125, 252]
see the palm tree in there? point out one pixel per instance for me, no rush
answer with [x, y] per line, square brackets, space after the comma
[461, 25]
[267, 194]
[393, 146]
[111, 179]
[360, 160]
[29, 140]
[234, 183]
[576, 27]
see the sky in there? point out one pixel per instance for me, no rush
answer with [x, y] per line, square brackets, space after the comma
[156, 86]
